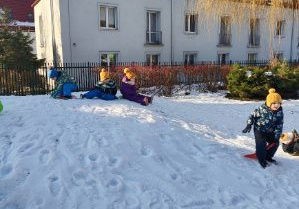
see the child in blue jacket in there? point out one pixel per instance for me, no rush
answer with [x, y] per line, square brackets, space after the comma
[64, 84]
[267, 121]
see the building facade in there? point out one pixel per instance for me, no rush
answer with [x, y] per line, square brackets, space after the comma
[152, 31]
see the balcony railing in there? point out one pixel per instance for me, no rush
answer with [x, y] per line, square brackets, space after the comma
[254, 41]
[153, 37]
[224, 39]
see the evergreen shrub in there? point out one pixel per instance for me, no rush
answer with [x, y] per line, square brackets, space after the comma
[254, 82]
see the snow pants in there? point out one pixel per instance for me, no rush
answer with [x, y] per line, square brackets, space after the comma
[137, 98]
[100, 94]
[261, 140]
[67, 89]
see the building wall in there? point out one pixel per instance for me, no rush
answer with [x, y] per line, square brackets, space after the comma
[48, 31]
[78, 37]
[85, 40]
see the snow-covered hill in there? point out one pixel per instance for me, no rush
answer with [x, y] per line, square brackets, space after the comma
[183, 152]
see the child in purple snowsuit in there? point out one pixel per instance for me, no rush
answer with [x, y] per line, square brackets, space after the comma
[129, 90]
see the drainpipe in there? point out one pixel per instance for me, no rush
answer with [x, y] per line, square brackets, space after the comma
[53, 34]
[171, 33]
[69, 22]
[292, 33]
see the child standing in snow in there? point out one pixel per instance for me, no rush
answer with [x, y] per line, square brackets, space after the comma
[64, 84]
[268, 123]
[129, 89]
[105, 89]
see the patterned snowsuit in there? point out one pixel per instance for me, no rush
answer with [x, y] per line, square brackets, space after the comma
[268, 127]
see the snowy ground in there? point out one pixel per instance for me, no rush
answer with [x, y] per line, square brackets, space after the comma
[183, 152]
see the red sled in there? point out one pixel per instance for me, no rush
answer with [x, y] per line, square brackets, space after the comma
[253, 155]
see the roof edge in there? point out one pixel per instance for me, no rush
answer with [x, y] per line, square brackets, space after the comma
[35, 3]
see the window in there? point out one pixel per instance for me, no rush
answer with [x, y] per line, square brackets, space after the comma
[225, 31]
[223, 58]
[190, 58]
[280, 28]
[254, 33]
[252, 57]
[41, 31]
[153, 28]
[152, 59]
[108, 17]
[278, 55]
[108, 58]
[190, 23]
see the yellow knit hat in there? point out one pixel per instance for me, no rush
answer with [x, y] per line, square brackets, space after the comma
[104, 74]
[129, 73]
[273, 97]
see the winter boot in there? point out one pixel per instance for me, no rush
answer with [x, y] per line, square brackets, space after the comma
[271, 160]
[264, 164]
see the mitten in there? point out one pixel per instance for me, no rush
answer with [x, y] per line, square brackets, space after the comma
[247, 129]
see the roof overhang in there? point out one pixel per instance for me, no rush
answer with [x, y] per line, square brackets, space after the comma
[35, 3]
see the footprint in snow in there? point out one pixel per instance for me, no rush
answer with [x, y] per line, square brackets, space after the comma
[20, 122]
[174, 176]
[155, 199]
[204, 203]
[5, 171]
[54, 185]
[130, 202]
[79, 178]
[44, 156]
[93, 157]
[146, 152]
[25, 147]
[113, 162]
[115, 185]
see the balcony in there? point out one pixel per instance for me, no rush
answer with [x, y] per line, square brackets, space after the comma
[224, 39]
[254, 41]
[153, 37]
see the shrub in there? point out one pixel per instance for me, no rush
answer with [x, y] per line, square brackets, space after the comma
[254, 82]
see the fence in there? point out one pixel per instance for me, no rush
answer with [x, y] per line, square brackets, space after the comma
[29, 80]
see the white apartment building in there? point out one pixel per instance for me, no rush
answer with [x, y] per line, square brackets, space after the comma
[154, 31]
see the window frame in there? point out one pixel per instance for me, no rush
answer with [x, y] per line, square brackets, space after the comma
[188, 53]
[117, 53]
[227, 55]
[116, 16]
[252, 53]
[150, 63]
[153, 36]
[280, 29]
[188, 15]
[280, 56]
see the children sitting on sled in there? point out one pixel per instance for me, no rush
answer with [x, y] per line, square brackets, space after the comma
[290, 143]
[105, 89]
[129, 89]
[267, 121]
[64, 84]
